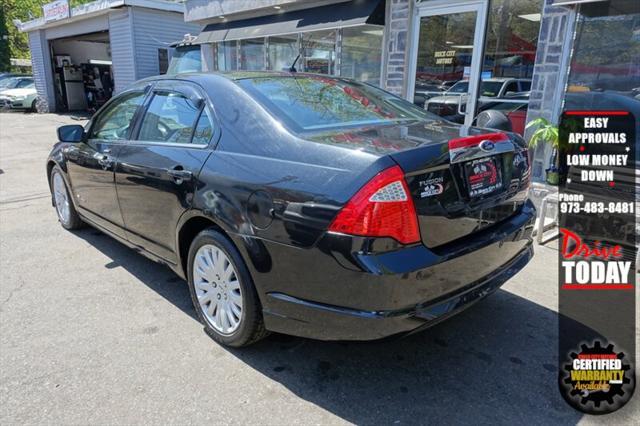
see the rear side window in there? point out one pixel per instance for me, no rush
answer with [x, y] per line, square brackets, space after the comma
[170, 118]
[204, 129]
[115, 121]
[525, 86]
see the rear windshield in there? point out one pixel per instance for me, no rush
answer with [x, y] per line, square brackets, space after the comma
[308, 103]
[185, 59]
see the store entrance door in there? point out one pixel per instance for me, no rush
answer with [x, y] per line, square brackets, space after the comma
[446, 58]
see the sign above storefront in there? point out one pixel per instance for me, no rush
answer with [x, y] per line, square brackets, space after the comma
[56, 10]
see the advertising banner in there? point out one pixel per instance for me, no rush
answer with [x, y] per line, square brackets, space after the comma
[597, 259]
[56, 10]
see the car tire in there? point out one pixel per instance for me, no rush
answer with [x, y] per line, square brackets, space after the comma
[222, 291]
[34, 106]
[66, 211]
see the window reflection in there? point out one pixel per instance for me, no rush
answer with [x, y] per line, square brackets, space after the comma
[445, 47]
[169, 118]
[186, 59]
[509, 58]
[282, 52]
[227, 56]
[315, 103]
[605, 66]
[362, 53]
[252, 54]
[512, 38]
[319, 51]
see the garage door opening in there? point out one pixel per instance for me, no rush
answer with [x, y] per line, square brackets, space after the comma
[82, 71]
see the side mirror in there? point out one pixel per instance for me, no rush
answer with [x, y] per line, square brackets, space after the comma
[72, 133]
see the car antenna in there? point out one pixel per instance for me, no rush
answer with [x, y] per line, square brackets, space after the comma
[292, 68]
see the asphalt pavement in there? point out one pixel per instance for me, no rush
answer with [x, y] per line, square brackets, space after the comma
[91, 332]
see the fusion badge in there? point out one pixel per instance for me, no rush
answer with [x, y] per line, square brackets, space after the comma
[431, 187]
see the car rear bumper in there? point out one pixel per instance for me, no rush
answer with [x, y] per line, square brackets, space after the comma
[322, 293]
[326, 322]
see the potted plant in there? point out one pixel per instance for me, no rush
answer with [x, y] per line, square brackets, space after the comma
[547, 133]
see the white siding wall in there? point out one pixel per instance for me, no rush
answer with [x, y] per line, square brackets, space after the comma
[42, 72]
[89, 25]
[152, 30]
[122, 48]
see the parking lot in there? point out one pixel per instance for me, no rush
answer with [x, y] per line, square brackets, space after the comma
[91, 332]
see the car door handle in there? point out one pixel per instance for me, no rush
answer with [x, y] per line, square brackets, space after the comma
[180, 175]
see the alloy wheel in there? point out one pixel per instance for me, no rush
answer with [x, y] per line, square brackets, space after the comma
[217, 289]
[61, 198]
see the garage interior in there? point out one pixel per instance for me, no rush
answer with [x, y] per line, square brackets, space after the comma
[82, 71]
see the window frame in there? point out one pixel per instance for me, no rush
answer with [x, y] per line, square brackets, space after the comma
[106, 107]
[190, 91]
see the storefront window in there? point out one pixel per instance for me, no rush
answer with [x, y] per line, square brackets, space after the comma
[282, 52]
[227, 56]
[512, 38]
[605, 66]
[319, 51]
[185, 59]
[509, 58]
[362, 53]
[445, 50]
[252, 55]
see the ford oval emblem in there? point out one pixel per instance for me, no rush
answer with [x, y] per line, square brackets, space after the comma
[487, 146]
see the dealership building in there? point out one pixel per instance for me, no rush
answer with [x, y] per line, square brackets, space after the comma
[82, 56]
[524, 58]
[512, 59]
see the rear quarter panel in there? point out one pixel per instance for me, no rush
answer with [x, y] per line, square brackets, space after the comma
[262, 181]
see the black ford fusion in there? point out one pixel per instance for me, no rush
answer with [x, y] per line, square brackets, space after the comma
[302, 204]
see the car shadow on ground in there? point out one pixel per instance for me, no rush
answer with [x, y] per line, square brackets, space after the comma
[494, 363]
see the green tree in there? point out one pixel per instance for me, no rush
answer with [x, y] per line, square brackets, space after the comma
[13, 43]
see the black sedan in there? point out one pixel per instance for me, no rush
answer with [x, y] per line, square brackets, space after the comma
[302, 204]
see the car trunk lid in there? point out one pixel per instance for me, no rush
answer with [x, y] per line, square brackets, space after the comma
[463, 185]
[452, 200]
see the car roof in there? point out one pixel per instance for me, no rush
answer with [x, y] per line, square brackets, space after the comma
[242, 75]
[217, 77]
[229, 76]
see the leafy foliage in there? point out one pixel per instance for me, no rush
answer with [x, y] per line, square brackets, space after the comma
[545, 132]
[13, 43]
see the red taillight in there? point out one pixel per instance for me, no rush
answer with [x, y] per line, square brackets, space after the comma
[381, 208]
